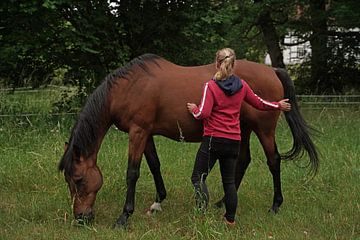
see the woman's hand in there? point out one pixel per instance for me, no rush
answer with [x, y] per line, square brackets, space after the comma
[284, 105]
[190, 107]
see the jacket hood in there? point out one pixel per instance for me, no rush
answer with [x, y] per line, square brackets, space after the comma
[230, 85]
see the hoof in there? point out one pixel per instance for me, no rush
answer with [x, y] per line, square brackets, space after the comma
[155, 207]
[274, 210]
[121, 223]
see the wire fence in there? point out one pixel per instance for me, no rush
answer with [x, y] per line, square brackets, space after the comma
[329, 101]
[27, 102]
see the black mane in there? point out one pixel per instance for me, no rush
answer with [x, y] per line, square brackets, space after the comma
[85, 131]
[141, 61]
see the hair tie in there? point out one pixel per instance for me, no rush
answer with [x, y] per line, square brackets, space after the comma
[224, 59]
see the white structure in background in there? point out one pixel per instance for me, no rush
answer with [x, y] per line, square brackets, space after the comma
[293, 54]
[298, 53]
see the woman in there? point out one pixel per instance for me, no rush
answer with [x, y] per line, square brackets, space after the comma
[220, 111]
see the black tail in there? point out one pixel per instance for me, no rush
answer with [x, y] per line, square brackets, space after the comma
[299, 128]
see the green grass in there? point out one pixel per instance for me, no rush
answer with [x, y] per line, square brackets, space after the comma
[27, 101]
[35, 203]
[37, 102]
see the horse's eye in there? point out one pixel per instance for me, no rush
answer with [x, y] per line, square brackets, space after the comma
[78, 181]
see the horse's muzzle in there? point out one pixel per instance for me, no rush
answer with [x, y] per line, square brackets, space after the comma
[85, 218]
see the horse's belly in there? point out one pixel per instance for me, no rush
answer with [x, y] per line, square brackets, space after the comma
[179, 127]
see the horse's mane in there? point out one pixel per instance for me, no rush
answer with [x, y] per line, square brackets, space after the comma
[85, 131]
[141, 61]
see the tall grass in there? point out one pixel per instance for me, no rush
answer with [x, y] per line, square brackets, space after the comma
[35, 203]
[27, 101]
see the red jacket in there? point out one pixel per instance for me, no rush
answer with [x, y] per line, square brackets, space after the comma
[221, 112]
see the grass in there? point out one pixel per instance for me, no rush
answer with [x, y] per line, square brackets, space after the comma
[27, 101]
[37, 102]
[35, 203]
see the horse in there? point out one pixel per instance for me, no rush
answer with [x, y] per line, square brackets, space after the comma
[148, 97]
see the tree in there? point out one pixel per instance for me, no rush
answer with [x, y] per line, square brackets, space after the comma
[266, 23]
[24, 51]
[335, 50]
[326, 24]
[320, 52]
[88, 39]
[39, 37]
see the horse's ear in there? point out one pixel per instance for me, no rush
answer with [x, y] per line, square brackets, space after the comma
[66, 144]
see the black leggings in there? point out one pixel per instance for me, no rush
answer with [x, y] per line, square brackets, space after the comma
[227, 151]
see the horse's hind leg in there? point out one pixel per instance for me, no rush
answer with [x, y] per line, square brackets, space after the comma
[154, 164]
[273, 161]
[244, 157]
[137, 142]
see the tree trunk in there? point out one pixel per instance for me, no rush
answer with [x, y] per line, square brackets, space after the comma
[319, 49]
[271, 38]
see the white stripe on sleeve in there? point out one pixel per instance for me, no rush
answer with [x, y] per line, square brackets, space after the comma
[266, 102]
[202, 101]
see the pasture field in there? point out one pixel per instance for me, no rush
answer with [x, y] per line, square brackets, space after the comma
[35, 202]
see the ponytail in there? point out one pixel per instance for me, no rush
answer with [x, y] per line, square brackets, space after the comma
[225, 61]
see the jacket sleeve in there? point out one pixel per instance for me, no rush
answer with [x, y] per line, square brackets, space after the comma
[207, 101]
[256, 101]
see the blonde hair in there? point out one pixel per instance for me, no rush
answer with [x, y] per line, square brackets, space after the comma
[225, 61]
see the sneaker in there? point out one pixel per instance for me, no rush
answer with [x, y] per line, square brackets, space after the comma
[228, 223]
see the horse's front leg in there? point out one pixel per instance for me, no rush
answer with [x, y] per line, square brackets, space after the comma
[137, 141]
[154, 164]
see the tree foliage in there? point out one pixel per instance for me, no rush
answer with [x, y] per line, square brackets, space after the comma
[335, 41]
[37, 38]
[85, 40]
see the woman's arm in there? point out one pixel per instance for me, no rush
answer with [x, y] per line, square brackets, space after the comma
[261, 104]
[206, 104]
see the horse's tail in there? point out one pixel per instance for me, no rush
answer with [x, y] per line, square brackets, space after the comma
[300, 130]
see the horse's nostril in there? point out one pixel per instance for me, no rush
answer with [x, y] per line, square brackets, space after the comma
[85, 218]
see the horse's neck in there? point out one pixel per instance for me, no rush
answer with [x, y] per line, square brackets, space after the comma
[93, 135]
[101, 135]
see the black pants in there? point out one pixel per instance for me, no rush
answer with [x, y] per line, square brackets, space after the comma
[227, 151]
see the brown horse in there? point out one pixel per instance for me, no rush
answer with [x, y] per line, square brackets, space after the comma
[148, 97]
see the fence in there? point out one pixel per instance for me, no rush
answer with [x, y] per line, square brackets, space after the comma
[32, 102]
[329, 101]
[28, 102]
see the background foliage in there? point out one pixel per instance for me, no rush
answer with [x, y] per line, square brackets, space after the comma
[79, 42]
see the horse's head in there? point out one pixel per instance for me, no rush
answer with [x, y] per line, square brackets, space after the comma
[84, 180]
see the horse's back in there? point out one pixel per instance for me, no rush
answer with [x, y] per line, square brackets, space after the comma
[261, 78]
